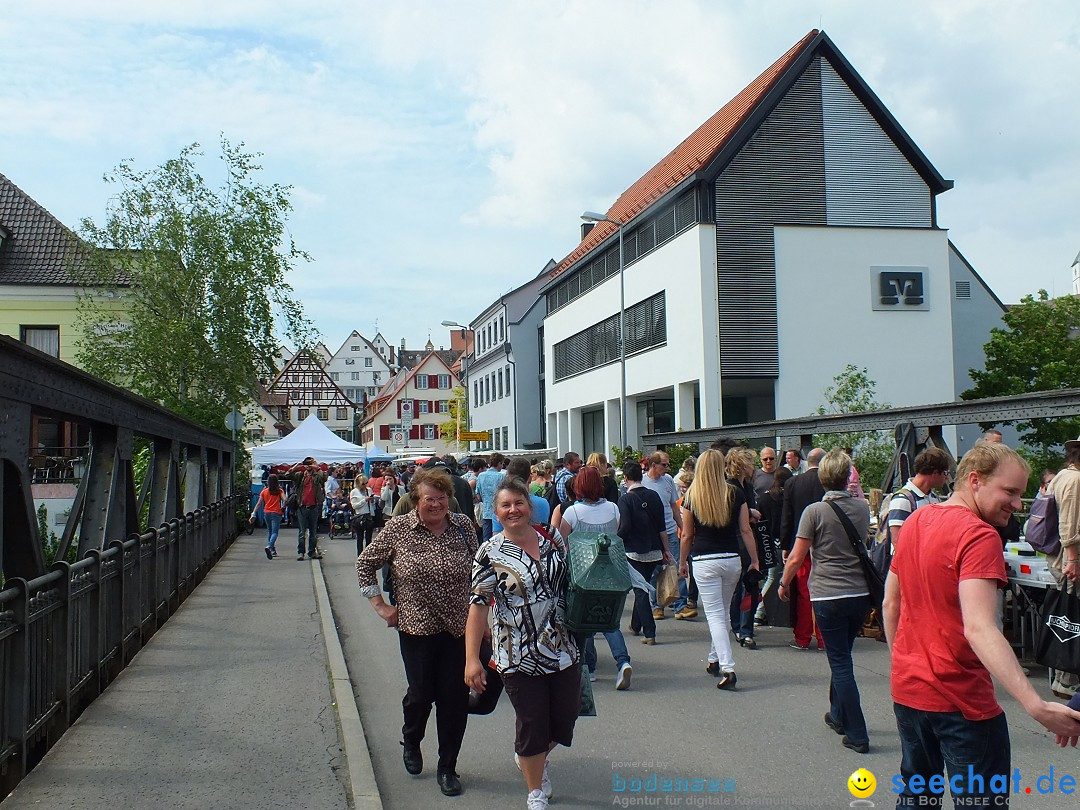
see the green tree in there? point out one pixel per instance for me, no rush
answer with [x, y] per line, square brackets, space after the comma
[459, 418]
[852, 391]
[200, 276]
[1036, 350]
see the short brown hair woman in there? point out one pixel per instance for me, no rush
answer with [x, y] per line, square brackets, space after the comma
[430, 552]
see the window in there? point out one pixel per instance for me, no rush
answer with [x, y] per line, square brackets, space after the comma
[43, 338]
[507, 373]
[342, 434]
[355, 375]
[375, 376]
[429, 431]
[476, 393]
[354, 348]
[424, 406]
[487, 388]
[497, 434]
[342, 413]
[444, 381]
[335, 376]
[367, 362]
[283, 413]
[444, 406]
[372, 391]
[506, 438]
[500, 383]
[323, 414]
[646, 327]
[302, 413]
[349, 361]
[666, 224]
[421, 381]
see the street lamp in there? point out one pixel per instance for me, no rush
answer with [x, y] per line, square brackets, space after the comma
[592, 216]
[464, 373]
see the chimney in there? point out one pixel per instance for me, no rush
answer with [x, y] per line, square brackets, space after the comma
[586, 227]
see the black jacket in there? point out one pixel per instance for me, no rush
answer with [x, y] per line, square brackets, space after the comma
[641, 519]
[799, 493]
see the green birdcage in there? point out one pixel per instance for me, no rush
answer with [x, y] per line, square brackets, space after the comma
[599, 582]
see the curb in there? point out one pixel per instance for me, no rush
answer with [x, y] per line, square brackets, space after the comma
[362, 785]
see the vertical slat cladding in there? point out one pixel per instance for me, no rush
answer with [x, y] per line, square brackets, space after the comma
[868, 181]
[778, 177]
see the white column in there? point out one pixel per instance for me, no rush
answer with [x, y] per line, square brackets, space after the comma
[612, 425]
[574, 437]
[564, 432]
[684, 405]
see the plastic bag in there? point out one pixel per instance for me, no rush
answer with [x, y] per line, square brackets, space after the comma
[667, 585]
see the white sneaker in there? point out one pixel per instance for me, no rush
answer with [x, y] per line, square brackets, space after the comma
[537, 800]
[545, 780]
[622, 680]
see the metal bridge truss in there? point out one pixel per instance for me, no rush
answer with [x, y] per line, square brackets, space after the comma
[67, 630]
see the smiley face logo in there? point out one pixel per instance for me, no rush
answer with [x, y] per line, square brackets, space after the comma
[862, 784]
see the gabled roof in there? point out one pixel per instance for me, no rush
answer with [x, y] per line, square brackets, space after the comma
[303, 395]
[370, 345]
[713, 144]
[38, 248]
[400, 380]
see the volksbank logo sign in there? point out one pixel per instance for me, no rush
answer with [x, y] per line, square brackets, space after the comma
[1064, 629]
[898, 288]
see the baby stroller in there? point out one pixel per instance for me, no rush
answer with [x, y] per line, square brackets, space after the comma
[341, 514]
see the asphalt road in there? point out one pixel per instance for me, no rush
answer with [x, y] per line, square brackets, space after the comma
[766, 742]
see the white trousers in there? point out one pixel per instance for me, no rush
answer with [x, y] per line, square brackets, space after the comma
[716, 581]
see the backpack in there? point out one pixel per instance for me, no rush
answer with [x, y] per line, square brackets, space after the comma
[1041, 530]
[881, 549]
[552, 495]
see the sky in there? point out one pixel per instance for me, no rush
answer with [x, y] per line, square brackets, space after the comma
[440, 153]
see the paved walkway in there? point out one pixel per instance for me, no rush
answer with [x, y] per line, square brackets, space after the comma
[228, 706]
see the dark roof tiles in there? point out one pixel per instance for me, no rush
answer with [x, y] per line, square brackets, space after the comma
[38, 248]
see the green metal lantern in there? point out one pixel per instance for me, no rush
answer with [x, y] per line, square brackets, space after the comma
[599, 582]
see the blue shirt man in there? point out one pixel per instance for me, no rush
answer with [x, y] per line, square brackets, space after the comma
[486, 483]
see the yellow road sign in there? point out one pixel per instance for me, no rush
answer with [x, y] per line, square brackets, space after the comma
[474, 435]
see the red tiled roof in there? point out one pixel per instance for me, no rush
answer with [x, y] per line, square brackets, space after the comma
[690, 156]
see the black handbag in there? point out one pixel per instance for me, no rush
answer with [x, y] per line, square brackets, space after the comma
[875, 583]
[485, 703]
[1057, 644]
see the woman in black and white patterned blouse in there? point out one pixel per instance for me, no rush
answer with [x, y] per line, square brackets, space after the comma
[523, 576]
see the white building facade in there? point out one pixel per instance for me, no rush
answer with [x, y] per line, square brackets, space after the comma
[792, 234]
[504, 378]
[361, 367]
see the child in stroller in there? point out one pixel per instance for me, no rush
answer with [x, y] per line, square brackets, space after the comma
[341, 515]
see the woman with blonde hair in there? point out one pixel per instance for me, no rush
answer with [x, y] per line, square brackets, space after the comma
[611, 489]
[716, 524]
[685, 477]
[739, 466]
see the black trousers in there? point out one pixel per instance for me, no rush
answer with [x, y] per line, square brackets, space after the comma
[435, 669]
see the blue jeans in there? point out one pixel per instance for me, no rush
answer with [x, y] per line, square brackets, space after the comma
[308, 518]
[840, 622]
[973, 751]
[684, 594]
[617, 644]
[273, 526]
[488, 529]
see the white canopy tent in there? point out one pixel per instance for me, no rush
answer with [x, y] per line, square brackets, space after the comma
[311, 438]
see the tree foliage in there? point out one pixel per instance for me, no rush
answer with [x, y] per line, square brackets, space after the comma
[852, 391]
[1036, 350]
[448, 430]
[187, 281]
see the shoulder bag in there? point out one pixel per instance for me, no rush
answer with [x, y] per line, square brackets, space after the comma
[874, 581]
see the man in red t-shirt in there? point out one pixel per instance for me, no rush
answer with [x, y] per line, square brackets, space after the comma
[941, 623]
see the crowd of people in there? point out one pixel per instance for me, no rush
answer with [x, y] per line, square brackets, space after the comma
[473, 562]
